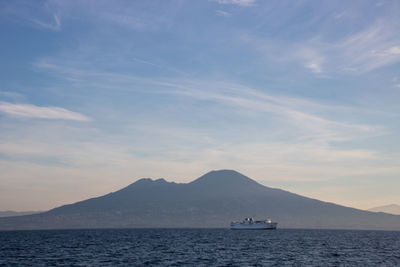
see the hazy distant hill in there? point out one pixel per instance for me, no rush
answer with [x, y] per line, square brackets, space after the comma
[9, 213]
[212, 200]
[392, 209]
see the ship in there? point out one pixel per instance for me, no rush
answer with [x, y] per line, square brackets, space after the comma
[251, 224]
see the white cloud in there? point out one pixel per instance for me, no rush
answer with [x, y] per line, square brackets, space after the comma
[32, 111]
[301, 115]
[313, 58]
[12, 95]
[55, 25]
[147, 150]
[395, 50]
[367, 50]
[237, 2]
[314, 67]
[373, 47]
[126, 20]
[340, 15]
[223, 13]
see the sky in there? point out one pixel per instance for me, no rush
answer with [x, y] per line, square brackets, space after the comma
[298, 95]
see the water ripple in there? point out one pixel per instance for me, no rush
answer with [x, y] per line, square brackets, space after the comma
[199, 247]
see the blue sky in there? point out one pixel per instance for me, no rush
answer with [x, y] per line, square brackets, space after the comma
[300, 95]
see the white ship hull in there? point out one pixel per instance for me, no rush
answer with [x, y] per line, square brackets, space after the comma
[250, 224]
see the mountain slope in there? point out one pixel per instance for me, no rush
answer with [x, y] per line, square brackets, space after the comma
[212, 200]
[10, 213]
[391, 209]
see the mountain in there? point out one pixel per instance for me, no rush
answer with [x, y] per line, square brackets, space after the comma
[391, 209]
[213, 200]
[10, 213]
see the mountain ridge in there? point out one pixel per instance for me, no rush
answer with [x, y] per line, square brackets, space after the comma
[212, 200]
[12, 213]
[391, 209]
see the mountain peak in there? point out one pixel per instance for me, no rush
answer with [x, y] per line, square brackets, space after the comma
[213, 200]
[150, 181]
[223, 171]
[144, 183]
[220, 177]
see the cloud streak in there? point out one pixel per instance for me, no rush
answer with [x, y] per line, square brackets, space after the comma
[237, 2]
[302, 115]
[299, 113]
[223, 13]
[37, 112]
[55, 25]
[375, 46]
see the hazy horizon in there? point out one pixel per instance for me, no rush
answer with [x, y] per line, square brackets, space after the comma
[302, 96]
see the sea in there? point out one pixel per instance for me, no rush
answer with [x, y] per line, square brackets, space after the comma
[199, 247]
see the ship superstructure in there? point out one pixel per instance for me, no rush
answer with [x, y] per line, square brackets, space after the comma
[251, 224]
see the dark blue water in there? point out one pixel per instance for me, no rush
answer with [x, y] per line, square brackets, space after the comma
[199, 247]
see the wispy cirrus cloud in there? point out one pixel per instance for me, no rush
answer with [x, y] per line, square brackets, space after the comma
[54, 25]
[305, 117]
[314, 67]
[237, 2]
[42, 15]
[223, 13]
[11, 95]
[373, 47]
[313, 59]
[395, 50]
[38, 112]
